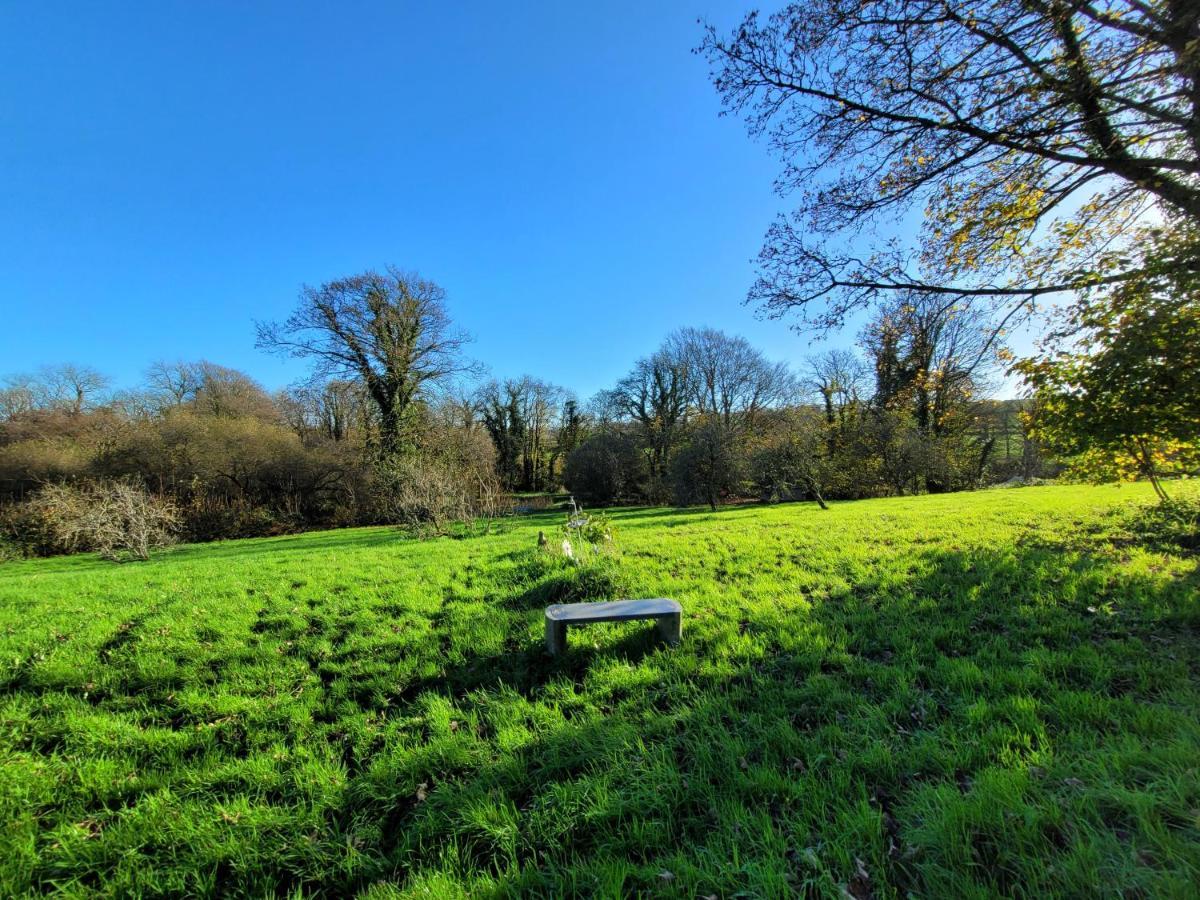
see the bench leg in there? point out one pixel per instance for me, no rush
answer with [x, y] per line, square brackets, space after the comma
[670, 628]
[556, 637]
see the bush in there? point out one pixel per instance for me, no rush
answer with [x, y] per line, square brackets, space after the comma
[213, 517]
[708, 469]
[558, 579]
[117, 519]
[604, 469]
[428, 494]
[24, 532]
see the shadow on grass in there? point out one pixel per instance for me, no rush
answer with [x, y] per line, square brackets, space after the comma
[930, 731]
[1009, 721]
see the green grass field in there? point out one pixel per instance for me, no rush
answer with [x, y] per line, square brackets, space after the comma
[950, 696]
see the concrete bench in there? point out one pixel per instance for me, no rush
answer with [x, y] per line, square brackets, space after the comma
[668, 616]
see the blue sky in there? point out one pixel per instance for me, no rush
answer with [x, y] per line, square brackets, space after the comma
[171, 171]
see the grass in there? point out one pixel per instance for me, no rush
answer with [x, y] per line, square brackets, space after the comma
[945, 696]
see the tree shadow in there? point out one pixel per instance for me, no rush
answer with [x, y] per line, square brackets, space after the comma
[979, 722]
[871, 723]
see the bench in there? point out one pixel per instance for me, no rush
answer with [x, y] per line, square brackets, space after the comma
[668, 616]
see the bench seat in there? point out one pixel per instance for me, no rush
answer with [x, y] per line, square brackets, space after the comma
[668, 615]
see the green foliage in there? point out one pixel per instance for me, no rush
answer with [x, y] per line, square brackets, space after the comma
[709, 468]
[971, 695]
[590, 534]
[604, 469]
[1125, 397]
[793, 465]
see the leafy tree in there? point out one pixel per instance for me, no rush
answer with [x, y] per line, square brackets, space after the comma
[709, 468]
[504, 418]
[1126, 395]
[1031, 134]
[605, 468]
[389, 330]
[520, 415]
[794, 462]
[932, 356]
[572, 425]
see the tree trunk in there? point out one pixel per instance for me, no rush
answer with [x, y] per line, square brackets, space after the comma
[815, 491]
[1146, 464]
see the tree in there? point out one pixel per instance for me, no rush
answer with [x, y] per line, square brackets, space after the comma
[1033, 134]
[794, 462]
[68, 387]
[1126, 395]
[390, 330]
[656, 395]
[605, 468]
[838, 377]
[570, 432]
[175, 383]
[731, 382]
[503, 416]
[520, 416]
[73, 387]
[332, 410]
[17, 396]
[709, 467]
[228, 393]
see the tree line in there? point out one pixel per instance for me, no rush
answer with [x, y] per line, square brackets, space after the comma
[1052, 153]
[396, 425]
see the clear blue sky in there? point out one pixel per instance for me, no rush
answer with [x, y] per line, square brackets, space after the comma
[171, 171]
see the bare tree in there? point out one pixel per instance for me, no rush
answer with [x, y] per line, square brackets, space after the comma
[19, 395]
[390, 330]
[176, 382]
[332, 410]
[730, 379]
[231, 393]
[72, 387]
[839, 378]
[656, 395]
[1033, 135]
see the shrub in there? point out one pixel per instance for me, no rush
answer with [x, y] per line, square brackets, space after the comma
[428, 494]
[559, 579]
[605, 468]
[117, 519]
[25, 532]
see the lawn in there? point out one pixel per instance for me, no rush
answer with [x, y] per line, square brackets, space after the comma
[960, 696]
